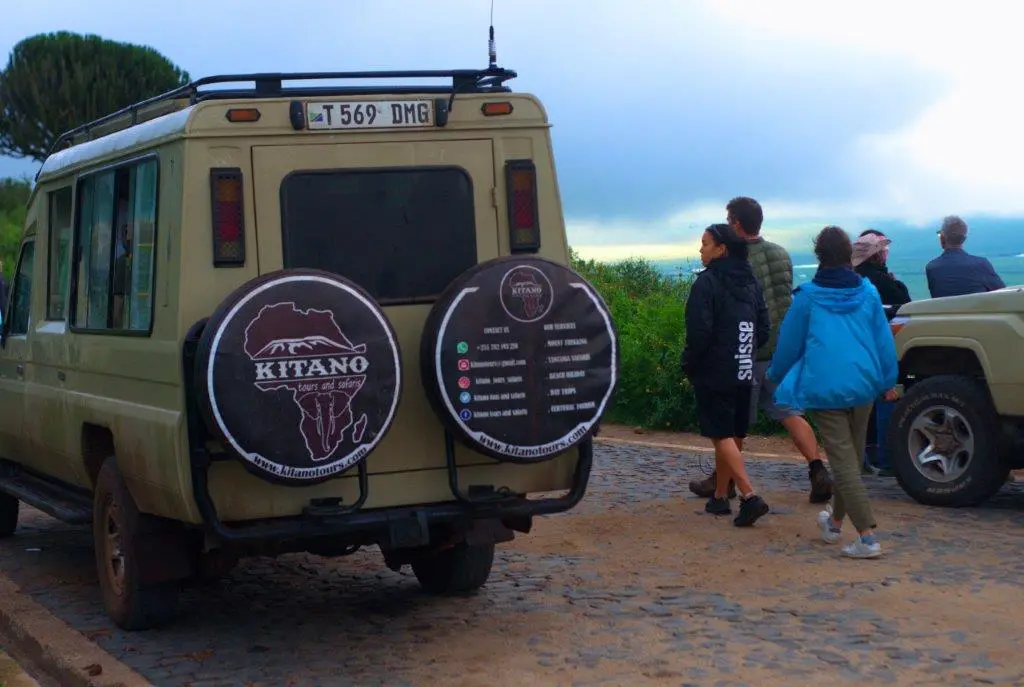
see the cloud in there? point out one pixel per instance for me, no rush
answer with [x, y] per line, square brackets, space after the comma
[663, 110]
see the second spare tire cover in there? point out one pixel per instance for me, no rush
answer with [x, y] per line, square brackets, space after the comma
[520, 358]
[300, 372]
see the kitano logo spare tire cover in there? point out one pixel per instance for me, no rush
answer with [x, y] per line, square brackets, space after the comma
[520, 358]
[300, 372]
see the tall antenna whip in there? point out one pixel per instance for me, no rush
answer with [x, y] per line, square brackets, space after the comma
[492, 54]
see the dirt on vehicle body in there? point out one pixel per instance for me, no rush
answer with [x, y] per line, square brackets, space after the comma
[958, 430]
[279, 318]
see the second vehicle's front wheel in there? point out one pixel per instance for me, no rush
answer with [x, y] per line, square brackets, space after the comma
[456, 570]
[944, 443]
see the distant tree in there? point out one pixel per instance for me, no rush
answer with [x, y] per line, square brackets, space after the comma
[54, 82]
[14, 195]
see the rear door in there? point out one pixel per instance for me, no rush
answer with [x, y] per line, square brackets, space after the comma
[402, 219]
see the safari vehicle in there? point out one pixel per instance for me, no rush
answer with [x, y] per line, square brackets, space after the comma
[958, 429]
[252, 317]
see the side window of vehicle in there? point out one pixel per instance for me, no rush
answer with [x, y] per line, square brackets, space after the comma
[22, 291]
[59, 247]
[115, 247]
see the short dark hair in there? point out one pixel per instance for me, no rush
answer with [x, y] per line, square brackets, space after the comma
[871, 231]
[723, 234]
[747, 212]
[833, 248]
[954, 230]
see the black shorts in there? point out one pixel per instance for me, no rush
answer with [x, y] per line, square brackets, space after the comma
[723, 413]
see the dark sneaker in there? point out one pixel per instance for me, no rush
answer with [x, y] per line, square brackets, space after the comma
[751, 511]
[705, 488]
[717, 506]
[885, 472]
[821, 485]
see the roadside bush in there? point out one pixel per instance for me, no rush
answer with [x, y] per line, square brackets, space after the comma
[648, 308]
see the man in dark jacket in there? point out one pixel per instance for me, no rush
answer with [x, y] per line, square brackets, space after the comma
[956, 272]
[870, 252]
[773, 270]
[726, 321]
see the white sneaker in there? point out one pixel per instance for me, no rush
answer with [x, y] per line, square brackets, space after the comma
[828, 532]
[858, 549]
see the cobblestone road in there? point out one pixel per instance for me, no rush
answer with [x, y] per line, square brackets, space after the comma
[635, 587]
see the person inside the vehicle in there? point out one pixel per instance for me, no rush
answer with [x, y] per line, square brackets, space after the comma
[870, 254]
[956, 272]
[835, 356]
[726, 321]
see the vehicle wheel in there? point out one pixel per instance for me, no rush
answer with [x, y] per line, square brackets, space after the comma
[8, 514]
[459, 569]
[131, 604]
[944, 443]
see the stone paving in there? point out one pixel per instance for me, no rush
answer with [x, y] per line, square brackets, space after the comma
[634, 587]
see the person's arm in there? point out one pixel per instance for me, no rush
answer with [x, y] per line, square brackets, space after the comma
[763, 326]
[792, 337]
[992, 280]
[699, 323]
[904, 292]
[931, 281]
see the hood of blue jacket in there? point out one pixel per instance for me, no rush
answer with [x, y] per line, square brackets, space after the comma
[837, 290]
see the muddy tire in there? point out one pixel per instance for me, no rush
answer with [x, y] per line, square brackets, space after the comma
[300, 372]
[460, 569]
[519, 358]
[131, 604]
[944, 443]
[9, 507]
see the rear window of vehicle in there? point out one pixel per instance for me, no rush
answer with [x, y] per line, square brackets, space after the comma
[404, 235]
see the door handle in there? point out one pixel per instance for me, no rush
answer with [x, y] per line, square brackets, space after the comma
[20, 369]
[61, 376]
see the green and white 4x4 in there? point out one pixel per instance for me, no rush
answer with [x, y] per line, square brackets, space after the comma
[958, 430]
[263, 318]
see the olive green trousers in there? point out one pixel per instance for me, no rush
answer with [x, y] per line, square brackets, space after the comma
[844, 434]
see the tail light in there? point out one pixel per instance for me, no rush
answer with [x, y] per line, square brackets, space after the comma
[228, 217]
[523, 222]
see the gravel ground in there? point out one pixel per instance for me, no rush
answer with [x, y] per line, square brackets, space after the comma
[637, 586]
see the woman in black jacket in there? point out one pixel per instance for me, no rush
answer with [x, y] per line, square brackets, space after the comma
[870, 251]
[726, 322]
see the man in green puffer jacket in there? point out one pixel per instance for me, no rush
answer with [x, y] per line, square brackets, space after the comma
[773, 270]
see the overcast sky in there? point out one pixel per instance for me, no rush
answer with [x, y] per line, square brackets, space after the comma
[664, 109]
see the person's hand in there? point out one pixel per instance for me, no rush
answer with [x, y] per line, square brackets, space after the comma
[891, 395]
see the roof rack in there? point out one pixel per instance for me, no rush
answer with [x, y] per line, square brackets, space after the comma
[271, 85]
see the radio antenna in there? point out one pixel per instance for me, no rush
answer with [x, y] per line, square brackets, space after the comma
[492, 54]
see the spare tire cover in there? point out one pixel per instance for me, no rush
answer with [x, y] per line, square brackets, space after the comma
[300, 372]
[519, 358]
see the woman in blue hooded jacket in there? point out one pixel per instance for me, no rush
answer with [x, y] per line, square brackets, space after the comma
[836, 355]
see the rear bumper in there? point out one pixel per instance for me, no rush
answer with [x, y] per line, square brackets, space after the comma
[390, 527]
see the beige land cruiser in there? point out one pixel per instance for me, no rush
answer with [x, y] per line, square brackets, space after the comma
[958, 429]
[256, 316]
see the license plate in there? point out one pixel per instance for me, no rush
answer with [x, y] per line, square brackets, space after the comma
[372, 114]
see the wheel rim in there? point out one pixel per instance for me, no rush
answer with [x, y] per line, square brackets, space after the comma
[941, 443]
[113, 554]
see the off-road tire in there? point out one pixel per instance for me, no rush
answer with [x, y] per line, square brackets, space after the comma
[8, 515]
[985, 474]
[132, 605]
[457, 570]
